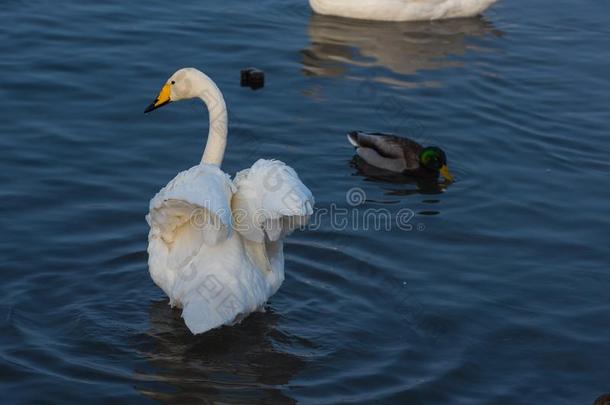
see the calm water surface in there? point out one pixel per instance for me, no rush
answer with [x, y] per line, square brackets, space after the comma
[498, 294]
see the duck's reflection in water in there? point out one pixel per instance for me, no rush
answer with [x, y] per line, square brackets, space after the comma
[403, 48]
[396, 184]
[239, 364]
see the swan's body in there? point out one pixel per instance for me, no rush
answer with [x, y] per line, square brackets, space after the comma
[215, 246]
[401, 10]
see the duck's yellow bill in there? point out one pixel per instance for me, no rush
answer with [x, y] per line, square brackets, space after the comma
[162, 99]
[445, 173]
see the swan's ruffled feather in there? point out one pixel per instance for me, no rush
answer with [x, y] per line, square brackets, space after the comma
[270, 201]
[191, 211]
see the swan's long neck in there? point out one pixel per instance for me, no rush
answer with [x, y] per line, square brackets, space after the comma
[217, 110]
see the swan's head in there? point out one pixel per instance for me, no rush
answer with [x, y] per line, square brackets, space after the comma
[186, 83]
[434, 158]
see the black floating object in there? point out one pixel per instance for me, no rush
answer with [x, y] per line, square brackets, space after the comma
[253, 78]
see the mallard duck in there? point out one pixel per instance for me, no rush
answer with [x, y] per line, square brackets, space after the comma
[401, 10]
[215, 246]
[400, 155]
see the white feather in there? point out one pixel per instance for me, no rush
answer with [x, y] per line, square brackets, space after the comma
[270, 201]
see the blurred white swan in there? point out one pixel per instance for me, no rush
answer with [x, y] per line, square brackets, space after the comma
[215, 246]
[401, 10]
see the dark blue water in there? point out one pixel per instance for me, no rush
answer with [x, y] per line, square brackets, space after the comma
[497, 294]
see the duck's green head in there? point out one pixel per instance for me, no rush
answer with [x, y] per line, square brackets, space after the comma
[434, 159]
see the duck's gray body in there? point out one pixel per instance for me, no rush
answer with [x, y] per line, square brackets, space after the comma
[389, 152]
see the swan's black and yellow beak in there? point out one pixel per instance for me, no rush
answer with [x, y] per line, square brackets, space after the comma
[162, 99]
[444, 171]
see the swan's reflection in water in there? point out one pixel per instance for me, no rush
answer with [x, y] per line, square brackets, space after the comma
[336, 44]
[240, 364]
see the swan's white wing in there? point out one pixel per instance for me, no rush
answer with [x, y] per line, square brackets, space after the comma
[193, 209]
[270, 201]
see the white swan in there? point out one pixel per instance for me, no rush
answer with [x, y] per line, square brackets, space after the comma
[401, 10]
[215, 246]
